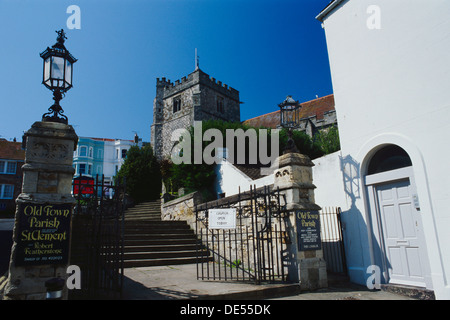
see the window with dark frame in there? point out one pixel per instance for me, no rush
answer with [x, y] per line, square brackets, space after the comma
[176, 104]
[6, 191]
[8, 167]
[220, 104]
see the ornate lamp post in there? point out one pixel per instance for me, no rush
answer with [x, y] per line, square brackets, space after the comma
[46, 185]
[289, 119]
[57, 76]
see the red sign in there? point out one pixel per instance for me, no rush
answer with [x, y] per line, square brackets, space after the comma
[83, 184]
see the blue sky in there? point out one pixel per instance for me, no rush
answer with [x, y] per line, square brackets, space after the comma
[266, 49]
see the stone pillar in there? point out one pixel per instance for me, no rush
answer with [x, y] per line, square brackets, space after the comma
[42, 229]
[294, 178]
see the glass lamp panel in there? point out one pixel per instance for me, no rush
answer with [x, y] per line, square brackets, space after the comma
[46, 69]
[289, 115]
[57, 68]
[68, 74]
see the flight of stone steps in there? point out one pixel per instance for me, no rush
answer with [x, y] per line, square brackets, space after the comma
[149, 241]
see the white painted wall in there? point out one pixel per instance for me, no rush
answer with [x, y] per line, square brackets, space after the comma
[110, 160]
[230, 179]
[328, 179]
[391, 85]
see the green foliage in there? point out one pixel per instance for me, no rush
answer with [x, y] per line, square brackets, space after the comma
[194, 177]
[304, 143]
[328, 140]
[201, 177]
[142, 173]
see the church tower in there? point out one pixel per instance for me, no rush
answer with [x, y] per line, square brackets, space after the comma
[196, 97]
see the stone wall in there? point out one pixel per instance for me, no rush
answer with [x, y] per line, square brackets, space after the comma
[181, 209]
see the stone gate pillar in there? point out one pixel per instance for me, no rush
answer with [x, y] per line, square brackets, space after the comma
[42, 229]
[294, 178]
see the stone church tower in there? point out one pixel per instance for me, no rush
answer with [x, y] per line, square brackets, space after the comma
[196, 97]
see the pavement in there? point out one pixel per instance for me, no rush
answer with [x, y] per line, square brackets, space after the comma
[179, 282]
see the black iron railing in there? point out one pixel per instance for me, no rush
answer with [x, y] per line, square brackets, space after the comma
[333, 240]
[97, 237]
[252, 251]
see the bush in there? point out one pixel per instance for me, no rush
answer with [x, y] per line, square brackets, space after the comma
[201, 177]
[328, 140]
[142, 174]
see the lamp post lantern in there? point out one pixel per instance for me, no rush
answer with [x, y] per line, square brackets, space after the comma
[57, 76]
[289, 119]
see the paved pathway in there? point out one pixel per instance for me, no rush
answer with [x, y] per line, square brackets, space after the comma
[180, 282]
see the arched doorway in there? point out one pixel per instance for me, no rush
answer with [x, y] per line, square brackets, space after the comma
[398, 241]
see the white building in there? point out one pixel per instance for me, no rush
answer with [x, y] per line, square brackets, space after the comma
[391, 73]
[101, 156]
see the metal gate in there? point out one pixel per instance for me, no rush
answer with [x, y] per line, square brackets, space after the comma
[255, 249]
[97, 238]
[333, 240]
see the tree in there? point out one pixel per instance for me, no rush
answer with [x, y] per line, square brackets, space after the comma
[201, 177]
[304, 143]
[142, 174]
[328, 140]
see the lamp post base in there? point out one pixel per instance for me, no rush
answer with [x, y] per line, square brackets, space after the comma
[55, 111]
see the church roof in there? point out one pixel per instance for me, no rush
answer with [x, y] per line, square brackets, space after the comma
[314, 108]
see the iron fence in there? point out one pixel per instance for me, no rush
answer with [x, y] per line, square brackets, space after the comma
[333, 240]
[97, 237]
[255, 249]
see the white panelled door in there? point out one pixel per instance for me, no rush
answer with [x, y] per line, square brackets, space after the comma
[402, 233]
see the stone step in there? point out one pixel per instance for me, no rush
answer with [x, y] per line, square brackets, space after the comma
[160, 247]
[165, 236]
[156, 224]
[142, 211]
[160, 222]
[149, 208]
[143, 217]
[158, 232]
[163, 262]
[164, 254]
[147, 205]
[133, 212]
[157, 241]
[149, 241]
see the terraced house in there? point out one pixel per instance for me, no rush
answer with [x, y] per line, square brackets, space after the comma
[101, 156]
[12, 157]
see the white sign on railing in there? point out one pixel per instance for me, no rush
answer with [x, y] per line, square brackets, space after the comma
[224, 218]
